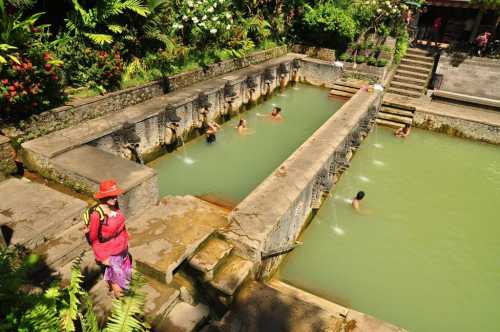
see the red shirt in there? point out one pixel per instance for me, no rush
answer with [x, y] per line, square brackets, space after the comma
[114, 229]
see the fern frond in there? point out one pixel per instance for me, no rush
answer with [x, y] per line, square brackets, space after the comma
[128, 311]
[69, 314]
[136, 6]
[88, 319]
[99, 38]
[115, 28]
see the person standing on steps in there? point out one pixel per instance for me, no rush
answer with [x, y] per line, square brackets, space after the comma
[107, 235]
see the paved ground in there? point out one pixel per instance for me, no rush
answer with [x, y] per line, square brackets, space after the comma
[31, 212]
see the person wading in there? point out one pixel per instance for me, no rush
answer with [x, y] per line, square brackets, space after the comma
[106, 233]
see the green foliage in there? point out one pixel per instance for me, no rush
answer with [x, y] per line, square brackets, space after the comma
[372, 61]
[360, 59]
[328, 22]
[60, 309]
[381, 63]
[100, 23]
[401, 47]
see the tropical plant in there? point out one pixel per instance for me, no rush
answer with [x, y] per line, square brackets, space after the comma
[381, 62]
[372, 61]
[360, 59]
[401, 46]
[100, 23]
[60, 309]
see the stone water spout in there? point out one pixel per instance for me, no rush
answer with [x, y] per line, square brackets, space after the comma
[251, 85]
[229, 96]
[200, 116]
[131, 143]
[283, 72]
[171, 136]
[295, 70]
[268, 79]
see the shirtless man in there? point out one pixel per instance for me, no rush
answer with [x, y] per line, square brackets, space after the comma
[276, 113]
[402, 132]
[212, 129]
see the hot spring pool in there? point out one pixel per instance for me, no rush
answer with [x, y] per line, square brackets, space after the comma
[230, 169]
[424, 253]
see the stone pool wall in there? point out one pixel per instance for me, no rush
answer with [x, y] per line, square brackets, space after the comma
[472, 128]
[220, 98]
[82, 110]
[268, 221]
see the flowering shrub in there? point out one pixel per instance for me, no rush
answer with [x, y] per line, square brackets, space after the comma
[32, 84]
[205, 21]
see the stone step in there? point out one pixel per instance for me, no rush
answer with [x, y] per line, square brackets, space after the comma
[409, 80]
[184, 317]
[417, 51]
[163, 237]
[337, 93]
[345, 88]
[63, 248]
[413, 69]
[209, 256]
[231, 275]
[397, 101]
[351, 83]
[404, 92]
[396, 111]
[421, 58]
[411, 73]
[31, 213]
[415, 63]
[395, 118]
[406, 86]
[160, 300]
[390, 124]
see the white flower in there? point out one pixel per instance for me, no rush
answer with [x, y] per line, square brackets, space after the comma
[213, 31]
[215, 18]
[204, 17]
[210, 9]
[221, 1]
[228, 15]
[184, 18]
[215, 5]
[190, 4]
[195, 19]
[379, 10]
[228, 26]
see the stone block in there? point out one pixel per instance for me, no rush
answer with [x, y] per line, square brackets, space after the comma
[209, 256]
[31, 213]
[231, 275]
[184, 318]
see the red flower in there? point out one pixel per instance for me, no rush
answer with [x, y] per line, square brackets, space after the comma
[54, 77]
[13, 93]
[5, 81]
[46, 56]
[35, 29]
[12, 88]
[48, 66]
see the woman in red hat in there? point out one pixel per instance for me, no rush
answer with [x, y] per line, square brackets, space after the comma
[109, 238]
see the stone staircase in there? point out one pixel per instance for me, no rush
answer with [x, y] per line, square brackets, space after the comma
[395, 115]
[344, 88]
[413, 74]
[191, 272]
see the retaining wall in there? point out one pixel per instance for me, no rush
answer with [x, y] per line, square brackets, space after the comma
[458, 126]
[273, 215]
[7, 164]
[89, 108]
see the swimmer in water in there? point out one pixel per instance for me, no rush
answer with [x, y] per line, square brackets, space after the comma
[402, 132]
[242, 126]
[276, 113]
[211, 130]
[355, 202]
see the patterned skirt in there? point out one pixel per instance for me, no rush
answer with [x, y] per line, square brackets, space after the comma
[119, 270]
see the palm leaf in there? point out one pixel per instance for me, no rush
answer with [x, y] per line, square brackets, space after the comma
[136, 6]
[116, 28]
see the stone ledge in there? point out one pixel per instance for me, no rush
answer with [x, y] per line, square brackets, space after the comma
[467, 98]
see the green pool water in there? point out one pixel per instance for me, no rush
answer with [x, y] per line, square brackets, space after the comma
[424, 252]
[230, 169]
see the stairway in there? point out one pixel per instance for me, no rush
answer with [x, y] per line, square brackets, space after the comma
[413, 74]
[395, 115]
[346, 88]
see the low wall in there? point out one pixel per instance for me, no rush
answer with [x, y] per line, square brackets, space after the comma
[458, 126]
[7, 164]
[273, 215]
[89, 108]
[478, 77]
[318, 72]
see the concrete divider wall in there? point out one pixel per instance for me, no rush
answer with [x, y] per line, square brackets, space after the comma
[318, 72]
[273, 215]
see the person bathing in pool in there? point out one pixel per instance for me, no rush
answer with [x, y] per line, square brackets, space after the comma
[210, 133]
[402, 132]
[355, 202]
[275, 114]
[243, 128]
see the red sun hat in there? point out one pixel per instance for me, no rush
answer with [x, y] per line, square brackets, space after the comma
[108, 188]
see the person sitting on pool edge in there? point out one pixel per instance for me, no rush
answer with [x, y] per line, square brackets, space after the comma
[276, 113]
[402, 132]
[355, 202]
[211, 130]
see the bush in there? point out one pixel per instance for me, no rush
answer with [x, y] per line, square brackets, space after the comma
[381, 63]
[372, 61]
[360, 59]
[401, 46]
[344, 57]
[32, 85]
